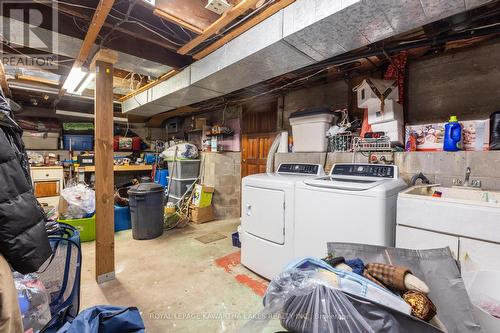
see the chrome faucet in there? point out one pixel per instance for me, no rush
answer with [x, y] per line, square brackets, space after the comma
[467, 176]
[475, 183]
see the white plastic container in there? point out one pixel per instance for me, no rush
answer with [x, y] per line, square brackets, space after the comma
[392, 111]
[483, 286]
[366, 95]
[309, 130]
[393, 129]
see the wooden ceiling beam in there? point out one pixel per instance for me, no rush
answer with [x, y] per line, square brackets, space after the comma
[228, 17]
[3, 82]
[150, 84]
[100, 15]
[177, 20]
[190, 14]
[145, 37]
[271, 10]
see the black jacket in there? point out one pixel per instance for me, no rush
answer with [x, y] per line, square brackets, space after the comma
[23, 239]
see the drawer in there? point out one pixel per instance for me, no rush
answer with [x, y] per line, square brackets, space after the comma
[45, 174]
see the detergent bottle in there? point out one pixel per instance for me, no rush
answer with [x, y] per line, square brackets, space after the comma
[452, 135]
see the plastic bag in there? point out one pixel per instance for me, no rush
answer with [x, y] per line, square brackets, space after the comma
[80, 202]
[305, 301]
[33, 301]
[184, 151]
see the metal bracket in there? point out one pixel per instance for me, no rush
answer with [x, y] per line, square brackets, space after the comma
[106, 277]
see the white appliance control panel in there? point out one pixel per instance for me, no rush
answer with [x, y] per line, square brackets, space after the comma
[365, 170]
[300, 169]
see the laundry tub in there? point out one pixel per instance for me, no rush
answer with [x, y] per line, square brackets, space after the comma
[483, 290]
[309, 129]
[146, 202]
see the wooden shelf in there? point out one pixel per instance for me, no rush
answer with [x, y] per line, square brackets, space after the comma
[119, 168]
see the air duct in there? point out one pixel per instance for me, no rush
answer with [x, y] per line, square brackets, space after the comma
[306, 32]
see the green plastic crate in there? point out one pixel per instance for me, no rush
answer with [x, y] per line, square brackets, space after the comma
[85, 226]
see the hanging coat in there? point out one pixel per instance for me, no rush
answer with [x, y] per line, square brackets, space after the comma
[23, 239]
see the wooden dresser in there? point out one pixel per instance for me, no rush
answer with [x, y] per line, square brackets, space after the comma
[48, 183]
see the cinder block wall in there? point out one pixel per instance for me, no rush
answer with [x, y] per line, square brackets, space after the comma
[223, 172]
[462, 83]
[439, 167]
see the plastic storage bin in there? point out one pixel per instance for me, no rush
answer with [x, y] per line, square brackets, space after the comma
[78, 142]
[173, 199]
[86, 227]
[309, 129]
[41, 140]
[146, 210]
[185, 169]
[122, 218]
[180, 186]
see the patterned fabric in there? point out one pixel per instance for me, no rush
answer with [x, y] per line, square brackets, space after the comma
[421, 306]
[389, 275]
[371, 278]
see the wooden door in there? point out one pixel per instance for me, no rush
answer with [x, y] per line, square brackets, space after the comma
[254, 150]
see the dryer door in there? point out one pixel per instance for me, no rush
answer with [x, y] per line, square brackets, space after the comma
[263, 213]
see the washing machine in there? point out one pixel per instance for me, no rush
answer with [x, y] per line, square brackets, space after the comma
[267, 217]
[355, 203]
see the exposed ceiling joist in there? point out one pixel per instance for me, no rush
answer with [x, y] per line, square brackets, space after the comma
[100, 14]
[177, 20]
[150, 84]
[146, 37]
[222, 22]
[3, 81]
[274, 8]
[190, 14]
[37, 79]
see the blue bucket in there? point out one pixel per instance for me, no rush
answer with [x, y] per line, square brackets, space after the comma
[161, 177]
[122, 218]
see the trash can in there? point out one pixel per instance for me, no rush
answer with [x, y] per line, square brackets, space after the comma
[146, 210]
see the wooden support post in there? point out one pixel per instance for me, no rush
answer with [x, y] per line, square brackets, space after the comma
[104, 182]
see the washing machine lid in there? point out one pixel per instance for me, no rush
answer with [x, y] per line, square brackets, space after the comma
[341, 183]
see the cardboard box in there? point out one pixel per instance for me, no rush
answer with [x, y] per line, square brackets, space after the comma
[430, 137]
[392, 111]
[202, 196]
[476, 135]
[200, 215]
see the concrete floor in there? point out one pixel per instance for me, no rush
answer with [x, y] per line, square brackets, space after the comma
[178, 283]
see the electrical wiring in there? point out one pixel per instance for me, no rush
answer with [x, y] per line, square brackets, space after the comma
[132, 20]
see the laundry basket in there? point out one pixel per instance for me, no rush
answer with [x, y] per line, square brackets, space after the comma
[61, 273]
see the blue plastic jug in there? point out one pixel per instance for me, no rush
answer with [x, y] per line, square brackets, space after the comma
[452, 135]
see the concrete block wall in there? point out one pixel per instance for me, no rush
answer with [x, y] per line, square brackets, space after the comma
[223, 172]
[439, 167]
[462, 83]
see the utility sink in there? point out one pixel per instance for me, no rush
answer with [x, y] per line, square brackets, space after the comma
[459, 211]
[456, 194]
